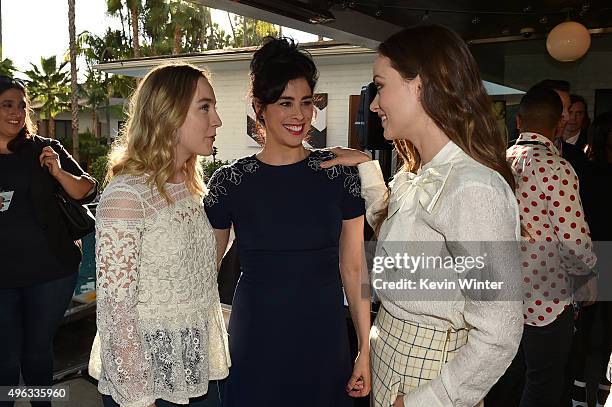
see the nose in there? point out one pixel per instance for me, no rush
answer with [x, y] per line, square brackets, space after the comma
[216, 122]
[298, 112]
[374, 107]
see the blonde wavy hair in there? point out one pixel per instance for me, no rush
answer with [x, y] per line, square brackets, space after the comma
[146, 144]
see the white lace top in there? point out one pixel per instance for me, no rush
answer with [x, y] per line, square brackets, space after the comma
[160, 325]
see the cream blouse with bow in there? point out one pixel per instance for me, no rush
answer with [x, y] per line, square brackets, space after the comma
[452, 207]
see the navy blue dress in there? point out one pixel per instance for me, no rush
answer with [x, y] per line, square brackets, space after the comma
[288, 333]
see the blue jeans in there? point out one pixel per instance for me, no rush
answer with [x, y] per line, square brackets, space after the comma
[210, 399]
[29, 318]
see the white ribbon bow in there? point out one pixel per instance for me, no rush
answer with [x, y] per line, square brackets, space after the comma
[427, 186]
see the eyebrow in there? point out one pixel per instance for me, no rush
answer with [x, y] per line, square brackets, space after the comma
[205, 100]
[292, 98]
[376, 76]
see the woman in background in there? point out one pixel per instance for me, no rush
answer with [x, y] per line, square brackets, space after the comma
[40, 261]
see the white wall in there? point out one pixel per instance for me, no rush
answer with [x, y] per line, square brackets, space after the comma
[339, 77]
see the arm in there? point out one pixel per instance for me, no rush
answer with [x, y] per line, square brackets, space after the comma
[354, 274]
[373, 187]
[119, 228]
[489, 215]
[567, 220]
[77, 184]
[222, 238]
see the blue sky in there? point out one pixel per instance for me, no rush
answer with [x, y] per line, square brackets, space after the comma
[35, 28]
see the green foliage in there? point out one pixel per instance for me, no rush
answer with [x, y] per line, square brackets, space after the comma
[49, 86]
[210, 167]
[90, 147]
[98, 170]
[255, 30]
[7, 68]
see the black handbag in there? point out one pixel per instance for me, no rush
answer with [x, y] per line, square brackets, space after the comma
[79, 219]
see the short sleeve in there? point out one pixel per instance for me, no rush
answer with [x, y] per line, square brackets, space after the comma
[353, 204]
[217, 201]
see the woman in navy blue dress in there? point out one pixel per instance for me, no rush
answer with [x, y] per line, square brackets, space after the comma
[299, 231]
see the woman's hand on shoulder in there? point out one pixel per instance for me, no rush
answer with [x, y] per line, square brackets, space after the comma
[345, 156]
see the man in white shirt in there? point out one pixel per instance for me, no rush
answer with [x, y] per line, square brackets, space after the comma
[556, 248]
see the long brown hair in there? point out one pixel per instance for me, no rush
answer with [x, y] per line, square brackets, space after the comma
[452, 95]
[147, 142]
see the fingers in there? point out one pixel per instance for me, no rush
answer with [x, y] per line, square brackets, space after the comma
[330, 163]
[352, 382]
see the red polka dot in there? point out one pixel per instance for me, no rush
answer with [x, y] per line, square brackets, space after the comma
[535, 272]
[541, 318]
[533, 188]
[578, 214]
[525, 179]
[555, 177]
[530, 310]
[526, 210]
[534, 256]
[566, 236]
[541, 169]
[548, 309]
[534, 203]
[524, 316]
[536, 218]
[561, 219]
[565, 182]
[556, 204]
[536, 286]
[525, 195]
[526, 279]
[545, 179]
[568, 208]
[556, 301]
[572, 197]
[562, 192]
[538, 302]
[551, 188]
[573, 225]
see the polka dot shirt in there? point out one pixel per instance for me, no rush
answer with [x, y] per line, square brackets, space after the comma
[558, 244]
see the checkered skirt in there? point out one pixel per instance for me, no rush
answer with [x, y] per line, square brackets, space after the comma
[407, 354]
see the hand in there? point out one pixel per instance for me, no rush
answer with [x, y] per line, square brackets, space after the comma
[399, 401]
[587, 291]
[50, 159]
[360, 383]
[345, 156]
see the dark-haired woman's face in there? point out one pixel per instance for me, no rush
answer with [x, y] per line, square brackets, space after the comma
[397, 100]
[288, 119]
[12, 112]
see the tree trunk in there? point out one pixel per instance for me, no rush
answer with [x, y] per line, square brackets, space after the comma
[94, 123]
[74, 98]
[244, 31]
[177, 40]
[134, 16]
[51, 127]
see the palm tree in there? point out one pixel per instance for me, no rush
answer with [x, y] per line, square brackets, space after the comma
[115, 7]
[93, 90]
[7, 68]
[74, 96]
[50, 90]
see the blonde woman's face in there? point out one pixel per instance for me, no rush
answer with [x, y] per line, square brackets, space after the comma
[397, 100]
[197, 134]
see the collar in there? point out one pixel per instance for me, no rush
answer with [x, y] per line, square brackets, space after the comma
[448, 154]
[536, 137]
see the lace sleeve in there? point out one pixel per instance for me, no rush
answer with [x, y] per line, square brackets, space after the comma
[119, 228]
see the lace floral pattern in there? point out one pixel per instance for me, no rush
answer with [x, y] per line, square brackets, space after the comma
[234, 173]
[159, 319]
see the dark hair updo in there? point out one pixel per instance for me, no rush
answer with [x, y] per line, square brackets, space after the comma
[278, 61]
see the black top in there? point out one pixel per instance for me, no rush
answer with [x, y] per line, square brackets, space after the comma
[34, 239]
[26, 255]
